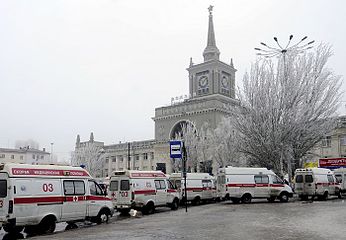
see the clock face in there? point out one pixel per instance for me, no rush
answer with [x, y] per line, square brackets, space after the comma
[225, 82]
[203, 81]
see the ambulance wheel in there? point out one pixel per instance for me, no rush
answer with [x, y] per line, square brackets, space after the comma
[148, 209]
[196, 201]
[103, 216]
[284, 197]
[246, 198]
[175, 204]
[325, 196]
[47, 225]
[12, 229]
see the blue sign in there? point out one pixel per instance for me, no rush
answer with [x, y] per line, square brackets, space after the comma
[175, 149]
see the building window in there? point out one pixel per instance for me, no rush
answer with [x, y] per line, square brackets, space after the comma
[121, 158]
[107, 160]
[2, 155]
[152, 155]
[33, 156]
[343, 140]
[137, 157]
[12, 156]
[327, 141]
[145, 156]
[21, 157]
[114, 159]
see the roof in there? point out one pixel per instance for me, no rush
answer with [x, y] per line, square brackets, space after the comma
[192, 175]
[23, 150]
[27, 170]
[245, 170]
[139, 174]
[315, 170]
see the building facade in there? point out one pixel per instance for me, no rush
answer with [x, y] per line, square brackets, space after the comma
[25, 155]
[211, 93]
[332, 146]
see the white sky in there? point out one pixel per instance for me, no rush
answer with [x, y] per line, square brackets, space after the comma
[70, 67]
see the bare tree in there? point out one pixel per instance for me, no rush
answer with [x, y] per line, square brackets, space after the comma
[224, 145]
[286, 108]
[91, 156]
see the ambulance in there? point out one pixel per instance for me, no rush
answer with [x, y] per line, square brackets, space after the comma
[142, 190]
[316, 182]
[340, 176]
[242, 184]
[200, 187]
[38, 196]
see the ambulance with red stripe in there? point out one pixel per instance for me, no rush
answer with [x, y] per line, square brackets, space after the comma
[316, 182]
[200, 187]
[38, 196]
[242, 184]
[142, 190]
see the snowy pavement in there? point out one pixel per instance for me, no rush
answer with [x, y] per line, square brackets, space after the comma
[259, 220]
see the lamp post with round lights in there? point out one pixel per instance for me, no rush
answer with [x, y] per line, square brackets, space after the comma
[268, 51]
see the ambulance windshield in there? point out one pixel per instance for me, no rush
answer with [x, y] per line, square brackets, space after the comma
[3, 188]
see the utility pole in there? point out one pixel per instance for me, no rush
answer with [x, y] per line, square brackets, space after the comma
[128, 157]
[184, 173]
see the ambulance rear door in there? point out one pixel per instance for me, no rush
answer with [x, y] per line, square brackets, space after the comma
[4, 195]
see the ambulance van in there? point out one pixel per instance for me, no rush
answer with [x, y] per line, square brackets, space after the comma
[38, 196]
[315, 182]
[142, 190]
[340, 176]
[242, 184]
[200, 187]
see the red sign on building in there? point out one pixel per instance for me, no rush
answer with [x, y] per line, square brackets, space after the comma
[332, 162]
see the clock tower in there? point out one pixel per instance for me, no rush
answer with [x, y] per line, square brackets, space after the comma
[211, 95]
[212, 76]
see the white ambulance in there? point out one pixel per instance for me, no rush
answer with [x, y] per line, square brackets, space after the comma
[38, 196]
[319, 182]
[245, 183]
[142, 190]
[340, 176]
[199, 187]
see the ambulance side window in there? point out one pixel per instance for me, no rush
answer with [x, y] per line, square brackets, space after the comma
[338, 178]
[163, 184]
[262, 179]
[330, 178]
[72, 187]
[157, 184]
[95, 189]
[3, 188]
[177, 183]
[277, 180]
[170, 185]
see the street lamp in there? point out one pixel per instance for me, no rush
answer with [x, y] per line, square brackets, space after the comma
[268, 51]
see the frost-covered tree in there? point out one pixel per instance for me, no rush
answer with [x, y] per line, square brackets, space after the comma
[197, 148]
[91, 156]
[224, 145]
[286, 107]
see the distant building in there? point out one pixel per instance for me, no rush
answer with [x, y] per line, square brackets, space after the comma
[24, 155]
[332, 146]
[211, 92]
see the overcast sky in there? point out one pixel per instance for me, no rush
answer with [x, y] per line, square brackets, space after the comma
[75, 66]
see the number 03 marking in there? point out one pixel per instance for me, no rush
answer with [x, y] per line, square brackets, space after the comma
[47, 187]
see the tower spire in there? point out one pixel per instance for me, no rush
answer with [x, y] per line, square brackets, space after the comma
[211, 52]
